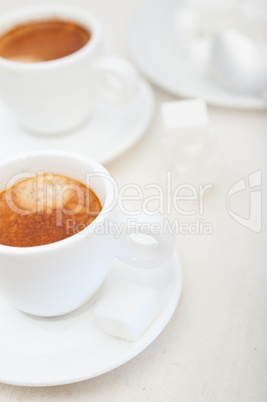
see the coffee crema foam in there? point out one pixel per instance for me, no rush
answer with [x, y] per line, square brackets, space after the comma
[44, 209]
[43, 41]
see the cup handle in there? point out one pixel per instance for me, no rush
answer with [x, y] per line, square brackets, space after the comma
[117, 80]
[145, 255]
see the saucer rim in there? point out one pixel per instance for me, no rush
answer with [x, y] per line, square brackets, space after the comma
[128, 144]
[160, 323]
[144, 102]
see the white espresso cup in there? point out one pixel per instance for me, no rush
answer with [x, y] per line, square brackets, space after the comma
[55, 96]
[56, 278]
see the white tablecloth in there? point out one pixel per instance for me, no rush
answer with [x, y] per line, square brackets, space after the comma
[214, 348]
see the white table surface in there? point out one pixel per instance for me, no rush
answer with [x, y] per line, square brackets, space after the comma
[214, 348]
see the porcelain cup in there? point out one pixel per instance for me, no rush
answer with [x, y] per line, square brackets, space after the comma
[55, 279]
[53, 97]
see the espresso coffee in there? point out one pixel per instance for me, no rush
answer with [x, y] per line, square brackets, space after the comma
[45, 209]
[43, 41]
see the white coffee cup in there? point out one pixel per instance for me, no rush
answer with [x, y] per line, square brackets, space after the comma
[56, 96]
[57, 278]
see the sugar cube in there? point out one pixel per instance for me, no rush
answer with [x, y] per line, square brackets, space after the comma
[127, 310]
[184, 114]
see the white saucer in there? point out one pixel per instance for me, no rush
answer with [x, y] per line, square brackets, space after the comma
[71, 348]
[108, 133]
[153, 47]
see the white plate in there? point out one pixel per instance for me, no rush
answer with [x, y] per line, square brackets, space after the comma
[41, 351]
[108, 133]
[153, 47]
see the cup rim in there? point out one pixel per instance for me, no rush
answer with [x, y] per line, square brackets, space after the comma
[42, 12]
[97, 167]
